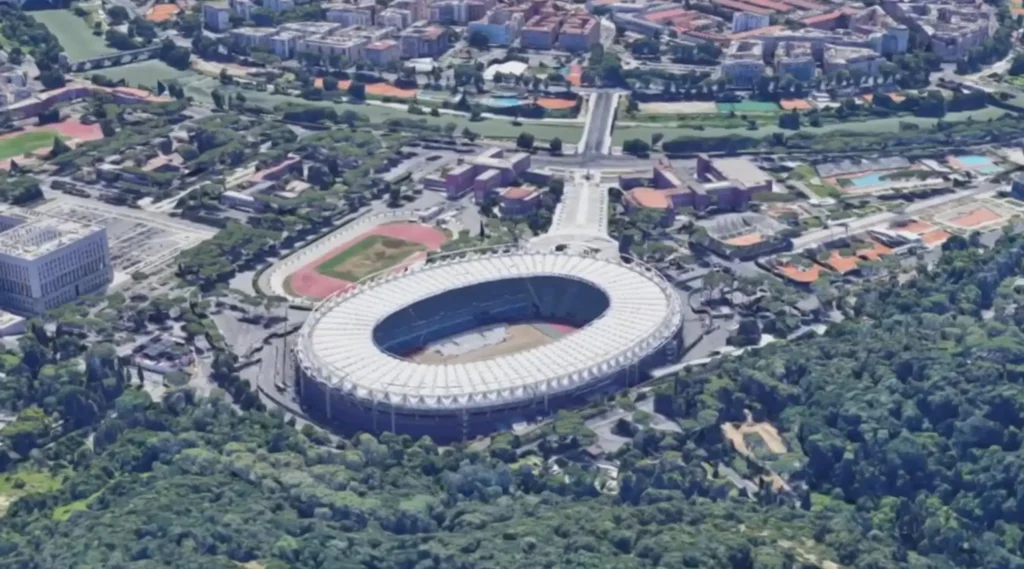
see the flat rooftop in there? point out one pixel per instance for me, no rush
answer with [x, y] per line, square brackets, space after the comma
[39, 234]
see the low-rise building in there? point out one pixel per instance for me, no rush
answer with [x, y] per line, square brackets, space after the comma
[579, 32]
[745, 21]
[252, 37]
[217, 16]
[501, 26]
[424, 41]
[382, 52]
[519, 201]
[541, 32]
[277, 6]
[743, 63]
[486, 172]
[853, 59]
[797, 60]
[349, 15]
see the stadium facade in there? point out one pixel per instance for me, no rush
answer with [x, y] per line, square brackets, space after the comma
[353, 375]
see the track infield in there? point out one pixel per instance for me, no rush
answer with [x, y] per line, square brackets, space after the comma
[385, 247]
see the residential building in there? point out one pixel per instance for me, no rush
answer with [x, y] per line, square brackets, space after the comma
[47, 261]
[217, 16]
[252, 37]
[743, 63]
[952, 28]
[347, 48]
[797, 60]
[277, 6]
[382, 52]
[283, 43]
[424, 41]
[579, 32]
[243, 8]
[501, 26]
[856, 60]
[541, 32]
[745, 21]
[395, 18]
[349, 15]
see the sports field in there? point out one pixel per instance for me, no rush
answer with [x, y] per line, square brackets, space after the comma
[371, 255]
[490, 342]
[74, 34]
[15, 146]
[384, 247]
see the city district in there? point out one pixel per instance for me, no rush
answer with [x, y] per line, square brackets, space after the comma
[548, 233]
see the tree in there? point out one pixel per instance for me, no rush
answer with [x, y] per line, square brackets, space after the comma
[118, 14]
[357, 90]
[59, 147]
[636, 147]
[555, 145]
[656, 138]
[330, 83]
[218, 99]
[108, 128]
[790, 120]
[525, 140]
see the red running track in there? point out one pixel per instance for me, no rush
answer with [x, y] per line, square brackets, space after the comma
[308, 283]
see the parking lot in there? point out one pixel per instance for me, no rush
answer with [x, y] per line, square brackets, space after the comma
[139, 240]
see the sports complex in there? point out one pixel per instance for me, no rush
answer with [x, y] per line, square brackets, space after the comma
[471, 342]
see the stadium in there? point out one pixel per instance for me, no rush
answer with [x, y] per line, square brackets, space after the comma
[469, 343]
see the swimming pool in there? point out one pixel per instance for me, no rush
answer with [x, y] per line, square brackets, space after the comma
[502, 101]
[978, 163]
[866, 180]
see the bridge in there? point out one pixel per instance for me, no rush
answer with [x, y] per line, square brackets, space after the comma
[113, 59]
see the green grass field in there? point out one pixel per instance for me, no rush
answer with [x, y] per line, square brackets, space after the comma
[16, 146]
[371, 255]
[73, 33]
[490, 128]
[144, 73]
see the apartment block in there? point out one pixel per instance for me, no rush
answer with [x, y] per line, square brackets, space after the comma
[541, 32]
[486, 172]
[501, 26]
[217, 16]
[745, 21]
[743, 63]
[383, 52]
[424, 41]
[797, 60]
[277, 6]
[348, 15]
[852, 59]
[579, 32]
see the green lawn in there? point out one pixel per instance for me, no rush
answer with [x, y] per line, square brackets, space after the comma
[490, 128]
[143, 74]
[371, 255]
[879, 125]
[74, 34]
[16, 146]
[14, 485]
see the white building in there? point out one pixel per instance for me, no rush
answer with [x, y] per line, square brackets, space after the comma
[745, 21]
[47, 261]
[283, 44]
[852, 59]
[347, 16]
[243, 8]
[252, 37]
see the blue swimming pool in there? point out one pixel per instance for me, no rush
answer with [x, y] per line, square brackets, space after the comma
[502, 101]
[867, 180]
[978, 163]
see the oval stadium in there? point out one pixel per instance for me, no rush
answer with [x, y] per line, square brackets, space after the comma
[467, 344]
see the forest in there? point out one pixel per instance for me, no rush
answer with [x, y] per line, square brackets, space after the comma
[903, 425]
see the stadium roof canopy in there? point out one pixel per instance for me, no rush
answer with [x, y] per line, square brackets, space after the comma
[336, 344]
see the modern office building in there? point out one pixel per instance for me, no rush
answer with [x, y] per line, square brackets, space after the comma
[47, 261]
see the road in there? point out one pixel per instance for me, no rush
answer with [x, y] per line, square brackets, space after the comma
[600, 115]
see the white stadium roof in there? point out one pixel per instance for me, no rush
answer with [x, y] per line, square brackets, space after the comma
[336, 344]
